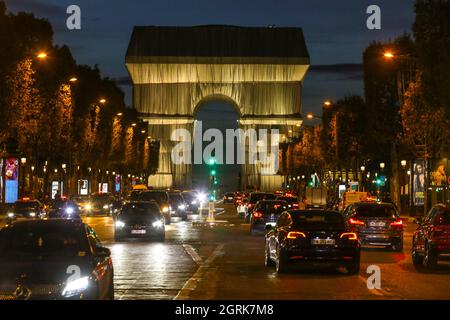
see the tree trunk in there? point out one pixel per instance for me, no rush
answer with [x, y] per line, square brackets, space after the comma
[395, 181]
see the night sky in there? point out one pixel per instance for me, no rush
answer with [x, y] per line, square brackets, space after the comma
[335, 33]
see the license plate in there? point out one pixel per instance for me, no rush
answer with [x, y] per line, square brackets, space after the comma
[377, 224]
[138, 231]
[322, 241]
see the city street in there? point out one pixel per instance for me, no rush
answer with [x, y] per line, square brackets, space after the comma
[224, 261]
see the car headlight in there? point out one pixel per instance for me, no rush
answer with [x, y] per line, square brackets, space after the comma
[105, 206]
[10, 215]
[32, 214]
[194, 202]
[182, 207]
[75, 287]
[120, 224]
[88, 206]
[165, 209]
[201, 197]
[157, 224]
[69, 210]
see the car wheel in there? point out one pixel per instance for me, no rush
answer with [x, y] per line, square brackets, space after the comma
[398, 247]
[430, 259]
[267, 260]
[281, 262]
[168, 220]
[162, 237]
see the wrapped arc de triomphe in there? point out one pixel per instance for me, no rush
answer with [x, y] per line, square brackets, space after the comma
[258, 70]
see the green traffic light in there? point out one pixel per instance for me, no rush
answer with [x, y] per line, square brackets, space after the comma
[213, 172]
[212, 161]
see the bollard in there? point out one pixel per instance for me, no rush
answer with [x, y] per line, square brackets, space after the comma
[211, 212]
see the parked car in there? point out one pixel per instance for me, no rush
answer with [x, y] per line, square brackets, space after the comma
[26, 209]
[140, 220]
[266, 214]
[54, 259]
[161, 197]
[376, 223]
[312, 237]
[431, 240]
[178, 205]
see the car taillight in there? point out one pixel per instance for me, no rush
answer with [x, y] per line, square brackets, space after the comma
[295, 205]
[295, 235]
[257, 214]
[349, 236]
[356, 222]
[397, 223]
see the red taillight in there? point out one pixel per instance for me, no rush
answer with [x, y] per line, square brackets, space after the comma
[397, 223]
[349, 236]
[356, 222]
[257, 214]
[295, 205]
[295, 235]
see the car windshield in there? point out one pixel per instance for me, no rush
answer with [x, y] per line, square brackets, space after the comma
[175, 198]
[133, 209]
[38, 240]
[318, 220]
[134, 195]
[376, 211]
[276, 207]
[159, 197]
[31, 205]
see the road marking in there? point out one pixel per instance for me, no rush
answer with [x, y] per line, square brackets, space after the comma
[192, 282]
[194, 255]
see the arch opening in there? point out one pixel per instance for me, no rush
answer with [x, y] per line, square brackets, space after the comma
[217, 113]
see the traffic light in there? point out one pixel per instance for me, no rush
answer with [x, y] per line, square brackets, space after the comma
[213, 172]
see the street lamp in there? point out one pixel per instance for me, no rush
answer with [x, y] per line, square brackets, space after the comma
[64, 166]
[102, 101]
[363, 168]
[42, 55]
[73, 79]
[119, 114]
[327, 103]
[382, 165]
[389, 55]
[403, 163]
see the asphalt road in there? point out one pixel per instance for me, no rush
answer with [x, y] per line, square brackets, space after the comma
[223, 261]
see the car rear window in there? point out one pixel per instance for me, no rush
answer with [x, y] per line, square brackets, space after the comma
[376, 211]
[272, 206]
[39, 240]
[318, 220]
[262, 196]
